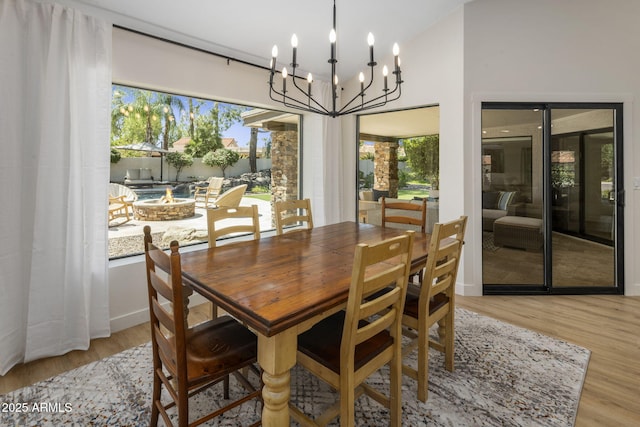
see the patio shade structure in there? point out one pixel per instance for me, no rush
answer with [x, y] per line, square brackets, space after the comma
[145, 146]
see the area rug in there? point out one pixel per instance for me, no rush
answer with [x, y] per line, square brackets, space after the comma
[504, 376]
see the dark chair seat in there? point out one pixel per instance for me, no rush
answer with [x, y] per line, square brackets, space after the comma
[223, 344]
[412, 303]
[322, 343]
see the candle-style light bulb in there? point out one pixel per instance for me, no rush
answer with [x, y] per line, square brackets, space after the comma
[396, 52]
[385, 73]
[332, 40]
[361, 78]
[309, 78]
[370, 40]
[309, 81]
[294, 44]
[274, 55]
[284, 79]
[335, 79]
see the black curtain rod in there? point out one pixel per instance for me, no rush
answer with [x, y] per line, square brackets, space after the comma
[228, 58]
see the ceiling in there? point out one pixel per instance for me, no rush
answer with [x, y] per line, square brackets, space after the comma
[248, 29]
[402, 123]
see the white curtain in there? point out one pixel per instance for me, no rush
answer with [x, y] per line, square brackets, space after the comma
[55, 88]
[324, 169]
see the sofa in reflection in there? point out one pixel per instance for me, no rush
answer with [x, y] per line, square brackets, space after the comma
[498, 204]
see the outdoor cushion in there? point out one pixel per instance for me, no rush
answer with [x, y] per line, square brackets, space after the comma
[505, 199]
[379, 193]
[490, 199]
[133, 174]
[145, 174]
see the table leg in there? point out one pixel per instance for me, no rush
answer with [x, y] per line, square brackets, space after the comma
[276, 356]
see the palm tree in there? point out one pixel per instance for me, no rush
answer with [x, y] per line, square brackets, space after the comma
[170, 102]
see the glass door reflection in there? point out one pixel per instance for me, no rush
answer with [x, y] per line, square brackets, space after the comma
[583, 202]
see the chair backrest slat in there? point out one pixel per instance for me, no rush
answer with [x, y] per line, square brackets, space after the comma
[161, 287]
[166, 350]
[222, 221]
[407, 217]
[293, 212]
[165, 318]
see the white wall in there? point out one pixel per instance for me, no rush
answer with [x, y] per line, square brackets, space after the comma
[553, 51]
[198, 169]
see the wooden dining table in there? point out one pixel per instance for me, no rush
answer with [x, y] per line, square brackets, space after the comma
[281, 286]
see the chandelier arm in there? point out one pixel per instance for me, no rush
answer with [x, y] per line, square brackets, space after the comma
[310, 98]
[319, 107]
[373, 103]
[360, 94]
[295, 103]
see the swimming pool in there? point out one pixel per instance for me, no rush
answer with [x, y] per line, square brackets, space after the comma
[156, 193]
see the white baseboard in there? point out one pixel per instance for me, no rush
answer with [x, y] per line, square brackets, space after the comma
[141, 316]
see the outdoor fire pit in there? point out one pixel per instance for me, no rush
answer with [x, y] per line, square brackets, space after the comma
[166, 208]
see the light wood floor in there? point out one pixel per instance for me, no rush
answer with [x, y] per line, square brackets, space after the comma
[609, 326]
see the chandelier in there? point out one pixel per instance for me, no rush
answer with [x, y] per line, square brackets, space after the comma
[302, 98]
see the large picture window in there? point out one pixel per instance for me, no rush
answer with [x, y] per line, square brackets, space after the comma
[174, 156]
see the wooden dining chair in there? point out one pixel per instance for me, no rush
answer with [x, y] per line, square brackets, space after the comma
[188, 360]
[347, 347]
[292, 212]
[225, 221]
[406, 215]
[231, 221]
[433, 302]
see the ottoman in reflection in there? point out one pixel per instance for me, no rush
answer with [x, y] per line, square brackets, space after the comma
[518, 232]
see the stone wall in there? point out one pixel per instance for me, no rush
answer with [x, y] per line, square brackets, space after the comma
[284, 165]
[385, 167]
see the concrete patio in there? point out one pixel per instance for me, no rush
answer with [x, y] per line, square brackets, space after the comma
[125, 237]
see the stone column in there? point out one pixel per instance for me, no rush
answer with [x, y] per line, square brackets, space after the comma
[284, 166]
[385, 167]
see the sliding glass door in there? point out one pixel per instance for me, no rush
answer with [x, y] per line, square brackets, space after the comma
[551, 198]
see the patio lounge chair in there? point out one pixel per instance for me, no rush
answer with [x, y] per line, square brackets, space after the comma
[232, 197]
[206, 194]
[118, 208]
[124, 193]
